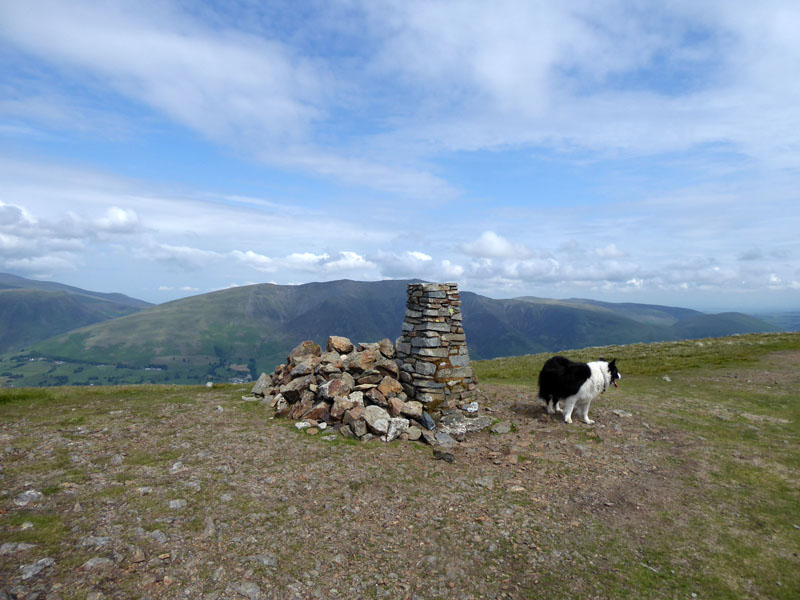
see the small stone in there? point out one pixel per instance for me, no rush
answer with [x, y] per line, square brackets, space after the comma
[427, 421]
[176, 467]
[395, 406]
[412, 408]
[444, 440]
[622, 413]
[359, 428]
[445, 456]
[666, 378]
[302, 425]
[389, 387]
[138, 556]
[501, 427]
[397, 426]
[304, 349]
[414, 433]
[96, 563]
[386, 348]
[472, 407]
[33, 569]
[210, 529]
[266, 559]
[248, 589]
[158, 536]
[12, 547]
[28, 497]
[428, 437]
[177, 504]
[262, 384]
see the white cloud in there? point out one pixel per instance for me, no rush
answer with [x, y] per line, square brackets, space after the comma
[349, 261]
[118, 220]
[306, 261]
[491, 245]
[256, 261]
[183, 257]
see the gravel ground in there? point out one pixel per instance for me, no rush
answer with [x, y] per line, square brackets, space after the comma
[189, 493]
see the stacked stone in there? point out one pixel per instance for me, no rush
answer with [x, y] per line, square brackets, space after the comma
[432, 349]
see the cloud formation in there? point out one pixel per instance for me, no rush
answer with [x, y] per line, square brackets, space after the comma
[516, 147]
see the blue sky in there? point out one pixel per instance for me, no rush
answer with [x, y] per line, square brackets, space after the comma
[617, 150]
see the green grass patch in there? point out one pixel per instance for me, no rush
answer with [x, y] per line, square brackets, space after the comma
[647, 359]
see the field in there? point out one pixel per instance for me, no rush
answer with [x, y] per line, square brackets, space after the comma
[687, 486]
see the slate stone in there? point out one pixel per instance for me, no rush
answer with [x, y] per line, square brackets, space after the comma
[292, 391]
[377, 419]
[397, 426]
[263, 383]
[306, 348]
[341, 345]
[427, 421]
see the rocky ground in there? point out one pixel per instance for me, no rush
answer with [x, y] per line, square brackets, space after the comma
[169, 492]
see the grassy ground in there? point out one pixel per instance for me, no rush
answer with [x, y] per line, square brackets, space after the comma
[692, 491]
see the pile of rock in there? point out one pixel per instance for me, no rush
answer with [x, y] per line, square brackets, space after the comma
[355, 389]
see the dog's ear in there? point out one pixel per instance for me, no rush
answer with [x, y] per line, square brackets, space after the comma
[613, 360]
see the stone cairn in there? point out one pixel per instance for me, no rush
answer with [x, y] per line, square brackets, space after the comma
[374, 390]
[432, 350]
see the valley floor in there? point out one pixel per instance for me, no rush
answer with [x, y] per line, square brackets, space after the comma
[683, 488]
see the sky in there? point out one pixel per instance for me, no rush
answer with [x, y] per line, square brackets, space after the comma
[626, 151]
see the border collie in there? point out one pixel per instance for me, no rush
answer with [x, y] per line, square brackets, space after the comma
[575, 384]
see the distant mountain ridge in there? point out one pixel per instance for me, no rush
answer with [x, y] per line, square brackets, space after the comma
[251, 329]
[31, 310]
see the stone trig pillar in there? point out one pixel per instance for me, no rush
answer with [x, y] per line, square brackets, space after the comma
[432, 350]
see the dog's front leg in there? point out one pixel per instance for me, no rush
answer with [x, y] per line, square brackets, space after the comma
[569, 406]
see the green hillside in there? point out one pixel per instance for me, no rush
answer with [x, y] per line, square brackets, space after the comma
[32, 311]
[238, 333]
[29, 316]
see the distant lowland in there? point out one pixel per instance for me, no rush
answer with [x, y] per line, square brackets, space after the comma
[53, 334]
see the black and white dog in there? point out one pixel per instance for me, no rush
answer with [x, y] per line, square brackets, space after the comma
[575, 384]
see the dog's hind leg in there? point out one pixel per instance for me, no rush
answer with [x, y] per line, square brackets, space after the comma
[548, 404]
[559, 407]
[583, 413]
[569, 406]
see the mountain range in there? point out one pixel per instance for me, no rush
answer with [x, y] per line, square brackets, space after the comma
[240, 332]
